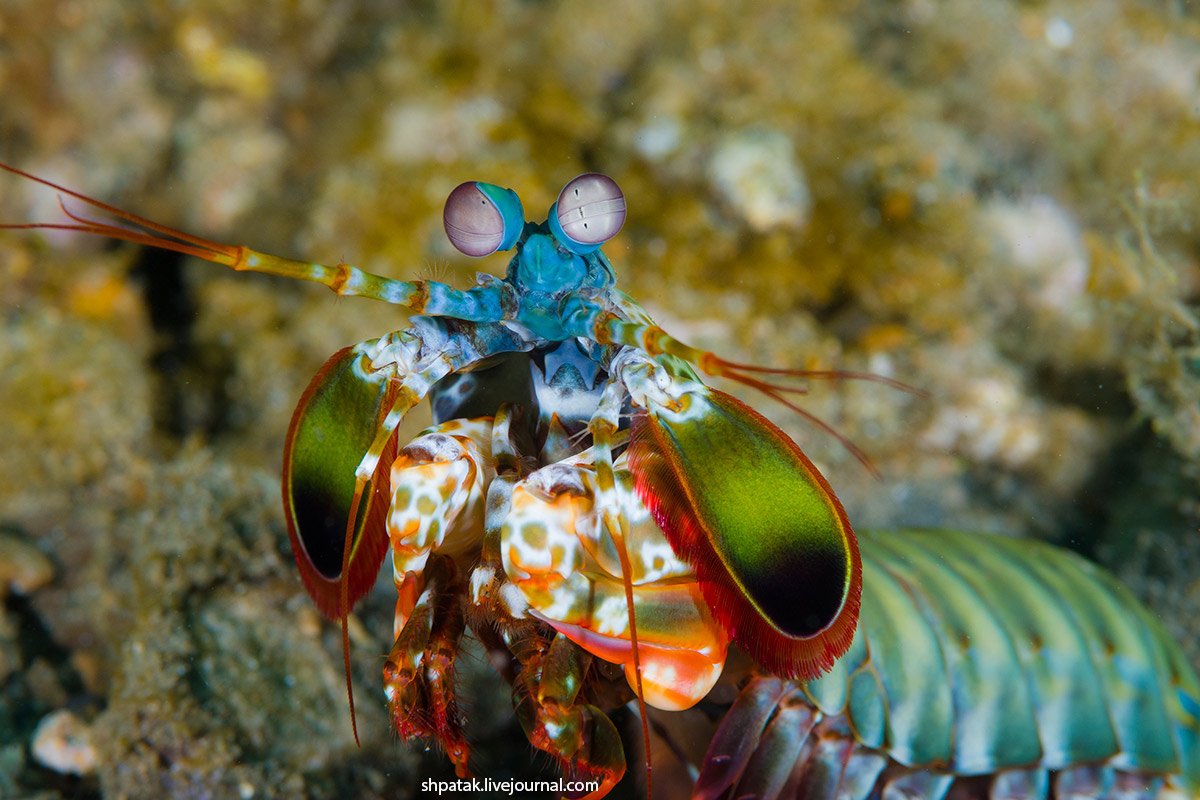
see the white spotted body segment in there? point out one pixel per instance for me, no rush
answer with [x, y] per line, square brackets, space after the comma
[438, 485]
[579, 588]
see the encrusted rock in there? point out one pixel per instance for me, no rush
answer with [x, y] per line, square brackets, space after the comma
[63, 742]
[23, 568]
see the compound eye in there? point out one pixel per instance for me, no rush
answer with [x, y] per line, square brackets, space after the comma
[590, 210]
[481, 218]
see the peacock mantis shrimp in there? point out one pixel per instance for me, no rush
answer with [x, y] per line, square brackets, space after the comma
[588, 507]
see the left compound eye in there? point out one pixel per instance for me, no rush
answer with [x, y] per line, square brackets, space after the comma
[481, 218]
[590, 210]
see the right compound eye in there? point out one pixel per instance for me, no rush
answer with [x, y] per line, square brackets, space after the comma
[481, 219]
[589, 211]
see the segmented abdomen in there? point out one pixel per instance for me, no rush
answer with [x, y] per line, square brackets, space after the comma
[975, 655]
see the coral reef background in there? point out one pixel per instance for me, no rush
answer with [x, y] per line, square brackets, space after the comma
[996, 202]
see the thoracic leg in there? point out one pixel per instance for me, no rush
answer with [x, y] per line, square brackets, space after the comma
[417, 358]
[419, 673]
[442, 483]
[580, 735]
[438, 483]
[603, 426]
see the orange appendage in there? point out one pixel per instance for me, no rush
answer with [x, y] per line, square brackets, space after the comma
[418, 676]
[424, 707]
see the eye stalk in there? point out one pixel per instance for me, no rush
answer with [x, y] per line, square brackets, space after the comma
[481, 219]
[589, 211]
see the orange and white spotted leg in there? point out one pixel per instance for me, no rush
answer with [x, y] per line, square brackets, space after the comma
[418, 676]
[560, 556]
[439, 482]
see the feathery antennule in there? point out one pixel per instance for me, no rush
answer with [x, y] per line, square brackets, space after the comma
[745, 375]
[821, 424]
[167, 238]
[653, 340]
[731, 369]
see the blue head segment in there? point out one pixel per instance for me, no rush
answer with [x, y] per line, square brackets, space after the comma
[482, 219]
[589, 211]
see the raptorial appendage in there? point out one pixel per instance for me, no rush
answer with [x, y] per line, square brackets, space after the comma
[418, 676]
[769, 542]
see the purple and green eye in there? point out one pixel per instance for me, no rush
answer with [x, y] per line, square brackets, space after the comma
[481, 219]
[589, 211]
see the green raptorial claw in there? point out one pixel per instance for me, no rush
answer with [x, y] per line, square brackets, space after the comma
[332, 427]
[775, 555]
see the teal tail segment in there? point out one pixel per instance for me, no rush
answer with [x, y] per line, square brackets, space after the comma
[1011, 666]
